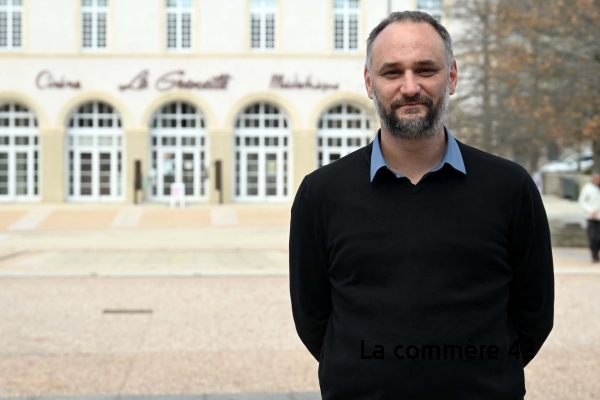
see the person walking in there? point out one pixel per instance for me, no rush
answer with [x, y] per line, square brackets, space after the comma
[420, 267]
[589, 199]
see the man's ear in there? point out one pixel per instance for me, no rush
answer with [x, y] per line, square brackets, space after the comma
[368, 83]
[453, 77]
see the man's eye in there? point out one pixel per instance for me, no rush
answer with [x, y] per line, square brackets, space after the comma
[426, 71]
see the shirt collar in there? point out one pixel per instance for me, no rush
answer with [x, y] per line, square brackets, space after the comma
[452, 156]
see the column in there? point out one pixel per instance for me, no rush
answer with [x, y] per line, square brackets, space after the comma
[53, 165]
[136, 148]
[221, 148]
[305, 155]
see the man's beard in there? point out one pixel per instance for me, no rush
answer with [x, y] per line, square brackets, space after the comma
[417, 127]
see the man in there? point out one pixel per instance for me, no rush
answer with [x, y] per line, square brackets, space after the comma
[420, 268]
[589, 199]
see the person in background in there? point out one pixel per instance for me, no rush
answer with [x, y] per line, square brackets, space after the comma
[589, 199]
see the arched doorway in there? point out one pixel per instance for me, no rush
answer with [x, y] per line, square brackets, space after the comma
[261, 155]
[95, 146]
[342, 129]
[19, 153]
[178, 151]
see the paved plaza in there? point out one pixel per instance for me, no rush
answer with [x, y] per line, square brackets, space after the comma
[106, 302]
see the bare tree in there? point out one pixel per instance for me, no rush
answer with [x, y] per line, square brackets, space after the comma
[532, 75]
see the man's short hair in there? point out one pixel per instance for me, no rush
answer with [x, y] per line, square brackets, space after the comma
[416, 17]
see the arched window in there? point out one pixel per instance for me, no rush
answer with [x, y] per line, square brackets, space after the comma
[178, 153]
[95, 154]
[262, 160]
[19, 153]
[342, 129]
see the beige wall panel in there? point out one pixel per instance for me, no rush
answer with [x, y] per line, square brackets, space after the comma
[304, 151]
[299, 37]
[223, 26]
[136, 148]
[221, 148]
[52, 26]
[52, 168]
[136, 26]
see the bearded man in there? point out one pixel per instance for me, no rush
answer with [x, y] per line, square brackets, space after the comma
[420, 267]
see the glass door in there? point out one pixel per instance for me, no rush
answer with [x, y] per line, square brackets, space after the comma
[271, 174]
[178, 152]
[4, 181]
[105, 174]
[19, 152]
[261, 154]
[167, 172]
[85, 161]
[95, 154]
[189, 172]
[252, 174]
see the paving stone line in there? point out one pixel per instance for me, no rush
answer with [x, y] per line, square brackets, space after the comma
[206, 274]
[146, 274]
[221, 216]
[243, 396]
[128, 217]
[32, 219]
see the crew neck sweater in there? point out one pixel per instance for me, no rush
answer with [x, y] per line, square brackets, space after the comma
[384, 273]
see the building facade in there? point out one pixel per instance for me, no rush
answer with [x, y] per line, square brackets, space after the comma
[267, 89]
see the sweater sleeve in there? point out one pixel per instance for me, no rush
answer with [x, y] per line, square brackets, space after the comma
[531, 302]
[310, 287]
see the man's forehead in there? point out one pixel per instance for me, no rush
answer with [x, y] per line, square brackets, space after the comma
[408, 37]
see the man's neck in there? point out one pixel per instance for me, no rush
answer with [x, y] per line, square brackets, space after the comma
[412, 158]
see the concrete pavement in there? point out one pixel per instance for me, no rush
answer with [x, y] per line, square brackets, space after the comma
[153, 240]
[84, 314]
[171, 336]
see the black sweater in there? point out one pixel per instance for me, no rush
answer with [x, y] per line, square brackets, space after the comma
[441, 268]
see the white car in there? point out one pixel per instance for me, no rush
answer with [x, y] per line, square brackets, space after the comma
[569, 164]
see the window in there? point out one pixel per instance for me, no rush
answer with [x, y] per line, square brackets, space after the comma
[346, 24]
[19, 153]
[261, 154]
[11, 22]
[435, 8]
[179, 152]
[343, 129]
[94, 21]
[94, 154]
[179, 24]
[262, 24]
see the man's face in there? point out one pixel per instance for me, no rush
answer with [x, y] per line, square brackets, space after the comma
[596, 179]
[410, 82]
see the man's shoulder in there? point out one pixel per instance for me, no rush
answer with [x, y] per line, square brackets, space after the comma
[350, 168]
[481, 163]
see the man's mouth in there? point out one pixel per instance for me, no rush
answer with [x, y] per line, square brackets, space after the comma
[412, 104]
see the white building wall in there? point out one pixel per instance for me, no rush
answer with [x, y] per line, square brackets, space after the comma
[137, 26]
[136, 44]
[403, 5]
[52, 26]
[306, 26]
[375, 11]
[223, 26]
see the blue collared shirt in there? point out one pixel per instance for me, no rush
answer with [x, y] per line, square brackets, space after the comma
[452, 156]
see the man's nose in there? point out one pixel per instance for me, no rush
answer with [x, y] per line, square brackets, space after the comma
[410, 87]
